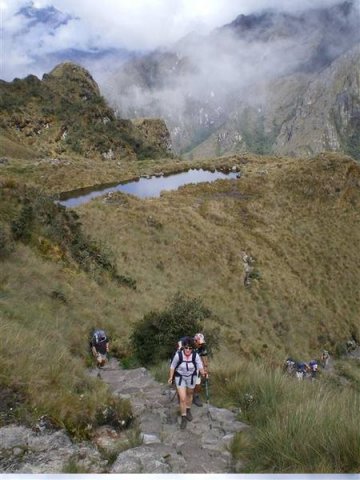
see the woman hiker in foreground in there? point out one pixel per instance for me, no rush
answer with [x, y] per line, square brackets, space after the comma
[184, 367]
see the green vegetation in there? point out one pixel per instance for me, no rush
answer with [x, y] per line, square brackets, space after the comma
[296, 427]
[300, 223]
[43, 348]
[64, 114]
[154, 338]
[253, 131]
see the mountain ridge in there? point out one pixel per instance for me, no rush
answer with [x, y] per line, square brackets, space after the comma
[64, 114]
[201, 84]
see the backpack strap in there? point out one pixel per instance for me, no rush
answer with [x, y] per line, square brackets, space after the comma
[180, 360]
[194, 362]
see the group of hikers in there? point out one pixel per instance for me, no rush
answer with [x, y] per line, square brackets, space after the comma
[306, 370]
[188, 365]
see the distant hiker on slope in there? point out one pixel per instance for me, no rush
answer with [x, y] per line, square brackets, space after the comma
[100, 347]
[200, 348]
[325, 358]
[184, 367]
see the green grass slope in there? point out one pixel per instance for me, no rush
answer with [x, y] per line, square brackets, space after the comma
[115, 259]
[299, 221]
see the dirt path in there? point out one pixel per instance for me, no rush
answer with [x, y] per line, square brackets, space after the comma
[201, 448]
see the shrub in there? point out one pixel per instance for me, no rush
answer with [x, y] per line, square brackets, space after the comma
[22, 225]
[5, 243]
[155, 336]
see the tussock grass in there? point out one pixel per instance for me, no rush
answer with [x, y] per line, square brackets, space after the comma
[296, 427]
[300, 223]
[44, 345]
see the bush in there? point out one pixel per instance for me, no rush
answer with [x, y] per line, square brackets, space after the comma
[155, 336]
[21, 227]
[5, 243]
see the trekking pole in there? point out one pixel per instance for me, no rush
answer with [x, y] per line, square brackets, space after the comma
[207, 401]
[174, 395]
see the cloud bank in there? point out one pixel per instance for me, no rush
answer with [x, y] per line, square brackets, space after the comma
[36, 35]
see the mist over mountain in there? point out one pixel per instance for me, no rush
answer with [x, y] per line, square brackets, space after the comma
[236, 88]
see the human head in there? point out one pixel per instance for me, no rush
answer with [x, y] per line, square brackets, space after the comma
[199, 339]
[313, 365]
[187, 342]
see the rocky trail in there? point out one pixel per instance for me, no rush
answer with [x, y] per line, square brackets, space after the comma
[201, 448]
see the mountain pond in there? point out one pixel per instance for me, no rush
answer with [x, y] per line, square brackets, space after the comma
[144, 187]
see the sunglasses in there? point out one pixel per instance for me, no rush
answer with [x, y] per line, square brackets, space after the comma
[188, 348]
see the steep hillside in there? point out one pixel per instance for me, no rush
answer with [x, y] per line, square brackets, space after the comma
[241, 88]
[63, 115]
[328, 115]
[273, 255]
[298, 221]
[298, 115]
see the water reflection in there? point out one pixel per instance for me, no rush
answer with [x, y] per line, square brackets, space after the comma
[144, 187]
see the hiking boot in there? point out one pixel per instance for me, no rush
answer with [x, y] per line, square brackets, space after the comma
[197, 401]
[189, 416]
[183, 422]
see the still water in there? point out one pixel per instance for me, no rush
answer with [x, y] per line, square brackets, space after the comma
[144, 187]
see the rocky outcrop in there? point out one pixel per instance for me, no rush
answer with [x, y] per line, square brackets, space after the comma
[154, 131]
[64, 114]
[23, 450]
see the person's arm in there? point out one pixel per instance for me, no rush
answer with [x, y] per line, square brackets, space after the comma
[171, 375]
[205, 361]
[204, 358]
[200, 366]
[174, 362]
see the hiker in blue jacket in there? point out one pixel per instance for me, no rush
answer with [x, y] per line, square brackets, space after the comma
[184, 367]
[99, 344]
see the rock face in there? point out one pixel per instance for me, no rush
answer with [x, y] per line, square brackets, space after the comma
[200, 448]
[26, 451]
[64, 114]
[328, 115]
[154, 131]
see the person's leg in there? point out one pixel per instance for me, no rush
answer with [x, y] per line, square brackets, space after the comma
[181, 390]
[189, 400]
[182, 393]
[196, 397]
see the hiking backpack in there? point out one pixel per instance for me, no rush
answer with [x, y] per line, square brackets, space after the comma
[99, 336]
[181, 360]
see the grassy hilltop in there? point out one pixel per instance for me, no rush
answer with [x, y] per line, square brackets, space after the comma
[273, 255]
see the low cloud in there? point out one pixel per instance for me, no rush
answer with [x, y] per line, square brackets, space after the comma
[203, 79]
[35, 33]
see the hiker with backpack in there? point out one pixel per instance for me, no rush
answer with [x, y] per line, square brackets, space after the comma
[201, 349]
[100, 347]
[184, 369]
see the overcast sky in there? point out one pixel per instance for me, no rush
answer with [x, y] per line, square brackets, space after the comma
[27, 44]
